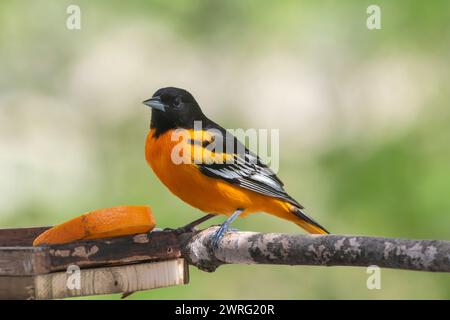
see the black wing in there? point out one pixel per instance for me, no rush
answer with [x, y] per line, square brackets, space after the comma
[246, 170]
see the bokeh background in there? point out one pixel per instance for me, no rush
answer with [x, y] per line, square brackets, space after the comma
[363, 118]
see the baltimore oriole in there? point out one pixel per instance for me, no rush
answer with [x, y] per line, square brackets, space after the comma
[225, 182]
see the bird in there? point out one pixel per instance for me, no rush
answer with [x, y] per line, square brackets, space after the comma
[217, 181]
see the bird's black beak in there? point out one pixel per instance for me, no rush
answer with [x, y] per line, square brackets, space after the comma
[155, 103]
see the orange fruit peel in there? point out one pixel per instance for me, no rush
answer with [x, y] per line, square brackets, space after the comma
[101, 223]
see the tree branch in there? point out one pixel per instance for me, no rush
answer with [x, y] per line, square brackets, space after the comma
[321, 250]
[154, 259]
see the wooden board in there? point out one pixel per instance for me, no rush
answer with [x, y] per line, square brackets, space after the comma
[129, 263]
[27, 260]
[143, 276]
[129, 278]
[14, 288]
[153, 246]
[23, 261]
[19, 237]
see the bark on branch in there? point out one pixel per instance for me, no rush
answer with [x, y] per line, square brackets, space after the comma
[321, 250]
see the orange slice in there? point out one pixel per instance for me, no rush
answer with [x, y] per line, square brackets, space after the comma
[101, 223]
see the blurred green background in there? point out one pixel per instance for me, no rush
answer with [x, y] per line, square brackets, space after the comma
[363, 118]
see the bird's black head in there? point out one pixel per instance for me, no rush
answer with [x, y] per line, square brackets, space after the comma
[173, 108]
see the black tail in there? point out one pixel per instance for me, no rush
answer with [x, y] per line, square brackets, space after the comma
[308, 223]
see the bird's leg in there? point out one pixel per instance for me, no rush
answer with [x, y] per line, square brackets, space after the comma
[190, 226]
[195, 223]
[225, 226]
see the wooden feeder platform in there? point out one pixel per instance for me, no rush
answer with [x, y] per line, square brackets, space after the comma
[103, 266]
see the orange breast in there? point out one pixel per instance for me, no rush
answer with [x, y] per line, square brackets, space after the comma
[202, 192]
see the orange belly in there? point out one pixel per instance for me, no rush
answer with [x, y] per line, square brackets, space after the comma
[202, 192]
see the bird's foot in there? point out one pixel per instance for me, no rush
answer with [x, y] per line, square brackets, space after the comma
[190, 227]
[218, 235]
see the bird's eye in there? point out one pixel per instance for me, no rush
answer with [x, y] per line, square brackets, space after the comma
[177, 103]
